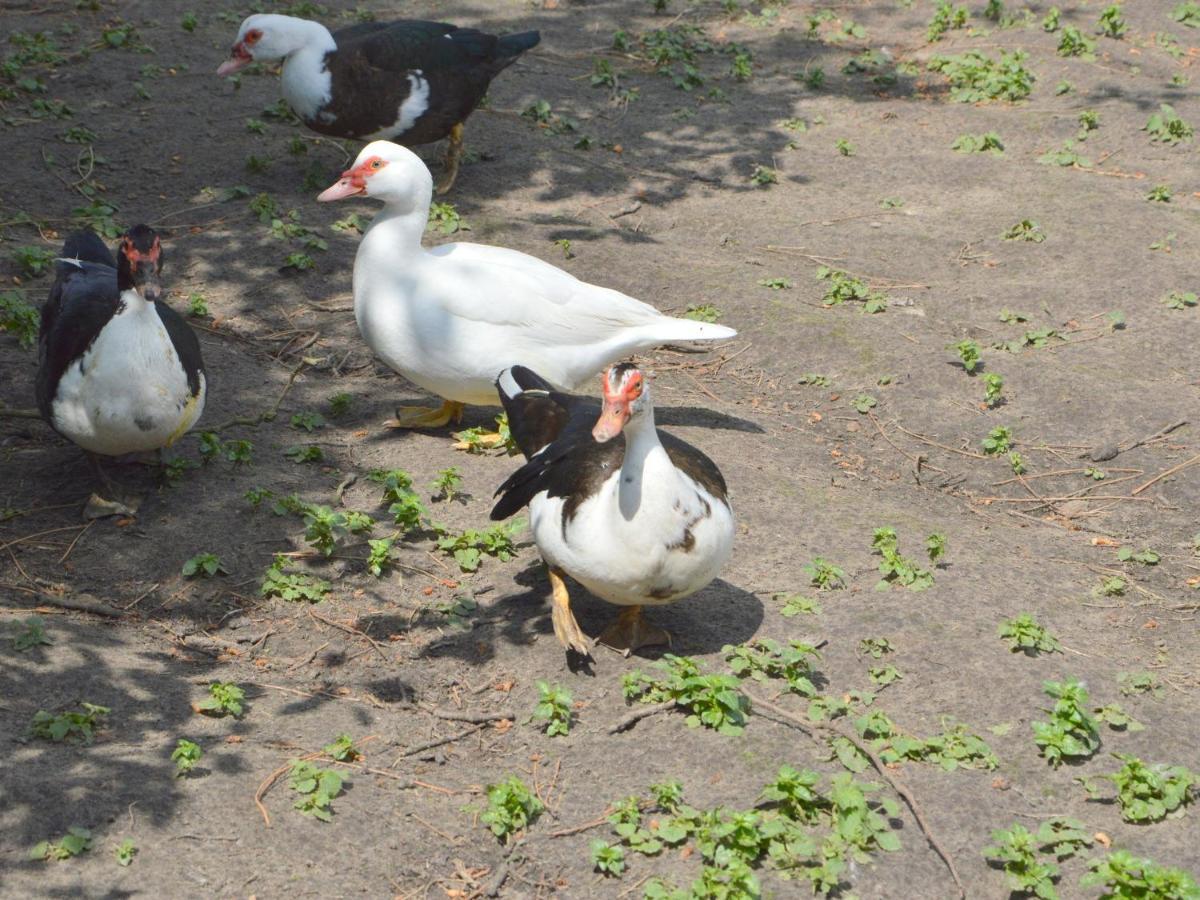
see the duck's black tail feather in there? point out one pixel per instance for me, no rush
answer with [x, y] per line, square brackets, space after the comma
[86, 246]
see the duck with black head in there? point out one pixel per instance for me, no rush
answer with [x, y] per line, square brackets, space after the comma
[119, 371]
[408, 81]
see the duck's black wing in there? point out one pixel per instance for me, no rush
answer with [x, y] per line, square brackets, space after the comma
[82, 300]
[187, 346]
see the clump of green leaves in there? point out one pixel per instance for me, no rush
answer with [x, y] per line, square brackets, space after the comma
[553, 708]
[844, 287]
[608, 859]
[1187, 13]
[1160, 193]
[824, 575]
[444, 218]
[1053, 20]
[1132, 683]
[469, 547]
[1067, 157]
[125, 852]
[1025, 635]
[405, 505]
[975, 77]
[204, 564]
[1075, 43]
[292, 586]
[342, 749]
[1016, 852]
[186, 756]
[511, 808]
[1089, 120]
[1025, 230]
[1123, 875]
[74, 727]
[77, 840]
[323, 527]
[236, 451]
[1111, 23]
[1167, 127]
[993, 388]
[317, 787]
[969, 353]
[379, 556]
[33, 261]
[764, 659]
[945, 17]
[896, 569]
[1181, 299]
[702, 312]
[998, 441]
[1146, 557]
[19, 319]
[764, 175]
[30, 633]
[795, 604]
[989, 142]
[1072, 731]
[713, 701]
[1148, 793]
[224, 699]
[775, 284]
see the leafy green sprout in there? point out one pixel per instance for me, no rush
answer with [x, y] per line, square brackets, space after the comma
[1025, 230]
[796, 604]
[875, 647]
[125, 851]
[342, 749]
[470, 546]
[1133, 683]
[553, 708]
[186, 756]
[1149, 793]
[77, 840]
[188, 22]
[1165, 126]
[447, 484]
[608, 859]
[897, 569]
[379, 557]
[197, 306]
[843, 287]
[340, 403]
[864, 403]
[975, 77]
[993, 387]
[31, 633]
[1160, 193]
[1075, 43]
[205, 565]
[1025, 635]
[224, 699]
[511, 808]
[935, 546]
[71, 726]
[969, 354]
[1146, 557]
[19, 319]
[292, 586]
[1181, 299]
[308, 421]
[988, 142]
[702, 312]
[775, 284]
[1125, 876]
[317, 786]
[1187, 13]
[824, 575]
[998, 441]
[1072, 731]
[844, 147]
[763, 176]
[711, 700]
[1016, 850]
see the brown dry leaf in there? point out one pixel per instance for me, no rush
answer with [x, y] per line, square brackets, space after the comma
[1105, 542]
[1150, 624]
[505, 686]
[503, 725]
[233, 739]
[814, 417]
[999, 783]
[1102, 839]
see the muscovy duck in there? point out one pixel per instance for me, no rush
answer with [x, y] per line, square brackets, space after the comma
[635, 515]
[409, 81]
[119, 371]
[451, 318]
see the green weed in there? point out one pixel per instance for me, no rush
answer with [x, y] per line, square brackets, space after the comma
[1025, 635]
[317, 787]
[77, 840]
[72, 727]
[224, 699]
[553, 708]
[1072, 732]
[186, 756]
[713, 701]
[512, 807]
[204, 564]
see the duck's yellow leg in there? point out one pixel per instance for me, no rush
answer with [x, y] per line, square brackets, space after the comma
[631, 630]
[426, 416]
[454, 152]
[566, 629]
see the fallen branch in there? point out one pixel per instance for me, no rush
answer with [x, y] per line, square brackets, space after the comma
[643, 713]
[1161, 475]
[429, 745]
[576, 829]
[810, 728]
[933, 443]
[79, 603]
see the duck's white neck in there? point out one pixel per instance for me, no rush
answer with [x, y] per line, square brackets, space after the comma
[134, 303]
[644, 454]
[397, 229]
[307, 84]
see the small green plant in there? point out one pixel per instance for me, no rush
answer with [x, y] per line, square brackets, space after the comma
[764, 175]
[608, 859]
[204, 564]
[224, 699]
[1148, 793]
[324, 527]
[447, 484]
[702, 312]
[553, 708]
[1146, 557]
[342, 749]
[1164, 244]
[77, 840]
[305, 453]
[1075, 43]
[1125, 877]
[1132, 683]
[74, 727]
[896, 569]
[379, 555]
[1160, 193]
[864, 403]
[875, 647]
[31, 633]
[713, 701]
[188, 23]
[824, 575]
[974, 77]
[340, 403]
[998, 441]
[969, 353]
[1089, 120]
[1025, 230]
[308, 421]
[844, 287]
[512, 807]
[197, 306]
[1187, 13]
[19, 319]
[1067, 157]
[935, 546]
[993, 388]
[125, 852]
[815, 379]
[1072, 732]
[763, 659]
[1025, 635]
[775, 284]
[988, 142]
[292, 586]
[844, 147]
[1111, 23]
[469, 547]
[795, 604]
[33, 261]
[1016, 852]
[186, 756]
[945, 17]
[1167, 127]
[317, 787]
[1181, 299]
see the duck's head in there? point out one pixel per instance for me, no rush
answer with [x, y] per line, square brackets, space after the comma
[626, 399]
[387, 172]
[139, 262]
[265, 37]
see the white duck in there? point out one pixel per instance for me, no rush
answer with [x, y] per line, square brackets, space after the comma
[636, 516]
[451, 318]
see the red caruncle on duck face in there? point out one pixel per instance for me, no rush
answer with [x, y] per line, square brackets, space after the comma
[353, 180]
[623, 387]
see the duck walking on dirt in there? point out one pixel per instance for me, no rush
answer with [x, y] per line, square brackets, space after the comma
[119, 371]
[638, 517]
[451, 318]
[409, 81]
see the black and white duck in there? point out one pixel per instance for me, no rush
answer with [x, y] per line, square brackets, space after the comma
[407, 81]
[635, 515]
[119, 371]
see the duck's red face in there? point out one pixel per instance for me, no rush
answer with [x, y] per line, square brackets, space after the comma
[623, 388]
[353, 180]
[242, 53]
